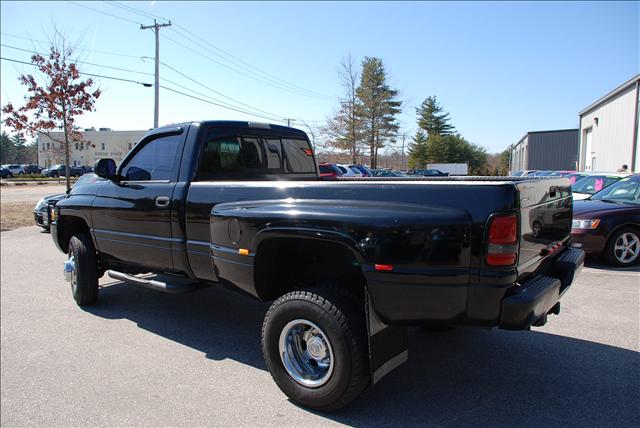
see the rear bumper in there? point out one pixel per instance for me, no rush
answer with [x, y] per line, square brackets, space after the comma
[540, 295]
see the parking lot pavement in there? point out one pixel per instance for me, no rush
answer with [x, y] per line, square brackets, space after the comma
[145, 358]
[29, 193]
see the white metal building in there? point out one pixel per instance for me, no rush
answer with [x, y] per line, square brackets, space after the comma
[609, 130]
[103, 143]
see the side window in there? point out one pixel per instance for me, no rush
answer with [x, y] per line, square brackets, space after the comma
[251, 153]
[240, 157]
[219, 157]
[298, 156]
[154, 161]
[273, 148]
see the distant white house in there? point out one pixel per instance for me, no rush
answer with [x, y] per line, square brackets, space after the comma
[609, 130]
[96, 144]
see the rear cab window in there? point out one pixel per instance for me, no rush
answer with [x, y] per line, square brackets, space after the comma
[252, 156]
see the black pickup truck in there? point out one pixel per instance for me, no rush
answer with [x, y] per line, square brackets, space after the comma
[348, 263]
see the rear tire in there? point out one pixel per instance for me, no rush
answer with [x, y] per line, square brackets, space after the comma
[309, 319]
[84, 287]
[623, 247]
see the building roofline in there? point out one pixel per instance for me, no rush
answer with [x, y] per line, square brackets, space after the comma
[544, 132]
[611, 94]
[553, 130]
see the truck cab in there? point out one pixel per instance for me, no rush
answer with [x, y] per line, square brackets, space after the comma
[348, 263]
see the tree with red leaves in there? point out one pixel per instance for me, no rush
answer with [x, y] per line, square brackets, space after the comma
[57, 102]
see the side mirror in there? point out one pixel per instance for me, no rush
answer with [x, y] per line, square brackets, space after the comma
[105, 168]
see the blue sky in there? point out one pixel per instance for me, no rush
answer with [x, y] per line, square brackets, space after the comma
[501, 69]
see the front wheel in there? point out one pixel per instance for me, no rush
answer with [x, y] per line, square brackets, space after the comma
[314, 345]
[82, 269]
[623, 247]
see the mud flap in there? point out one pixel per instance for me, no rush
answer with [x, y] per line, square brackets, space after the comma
[388, 347]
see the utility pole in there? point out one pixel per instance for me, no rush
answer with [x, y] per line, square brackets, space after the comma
[156, 29]
[289, 121]
[402, 158]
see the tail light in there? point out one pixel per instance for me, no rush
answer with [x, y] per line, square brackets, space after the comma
[503, 240]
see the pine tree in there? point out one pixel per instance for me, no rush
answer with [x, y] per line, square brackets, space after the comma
[432, 119]
[19, 149]
[456, 149]
[377, 106]
[7, 151]
[418, 151]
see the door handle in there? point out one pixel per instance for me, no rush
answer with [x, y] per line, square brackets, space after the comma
[162, 201]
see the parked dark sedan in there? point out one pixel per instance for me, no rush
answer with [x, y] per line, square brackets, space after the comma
[41, 211]
[44, 205]
[60, 170]
[5, 173]
[428, 172]
[386, 173]
[608, 223]
[32, 169]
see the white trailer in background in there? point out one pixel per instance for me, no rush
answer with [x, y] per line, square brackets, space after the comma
[451, 168]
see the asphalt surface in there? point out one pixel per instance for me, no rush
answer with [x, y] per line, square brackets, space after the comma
[144, 358]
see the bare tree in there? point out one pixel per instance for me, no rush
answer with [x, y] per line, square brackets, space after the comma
[56, 102]
[343, 130]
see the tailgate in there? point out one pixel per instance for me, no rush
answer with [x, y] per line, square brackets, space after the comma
[546, 208]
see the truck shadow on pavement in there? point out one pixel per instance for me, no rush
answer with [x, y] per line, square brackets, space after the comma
[461, 377]
[218, 322]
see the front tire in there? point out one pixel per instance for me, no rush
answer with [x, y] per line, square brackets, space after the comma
[623, 248]
[314, 344]
[84, 281]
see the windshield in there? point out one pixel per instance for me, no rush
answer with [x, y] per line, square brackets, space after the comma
[88, 179]
[626, 190]
[593, 183]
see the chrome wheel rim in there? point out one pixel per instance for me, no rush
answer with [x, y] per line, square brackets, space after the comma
[74, 274]
[306, 353]
[627, 248]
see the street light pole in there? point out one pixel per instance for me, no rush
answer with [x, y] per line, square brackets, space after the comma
[156, 29]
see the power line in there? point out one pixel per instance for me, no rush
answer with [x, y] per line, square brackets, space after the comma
[257, 78]
[131, 9]
[274, 116]
[271, 77]
[80, 62]
[217, 92]
[214, 103]
[250, 68]
[79, 47]
[103, 12]
[266, 79]
[217, 62]
[215, 100]
[148, 85]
